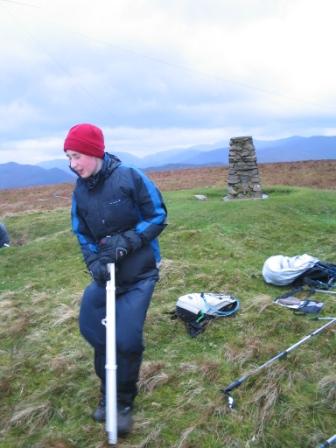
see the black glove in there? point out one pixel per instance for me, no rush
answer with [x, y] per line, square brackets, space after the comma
[98, 271]
[113, 248]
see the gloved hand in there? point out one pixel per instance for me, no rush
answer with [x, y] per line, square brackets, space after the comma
[113, 248]
[98, 271]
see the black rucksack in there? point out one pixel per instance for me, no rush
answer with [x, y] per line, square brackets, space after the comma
[197, 309]
[321, 276]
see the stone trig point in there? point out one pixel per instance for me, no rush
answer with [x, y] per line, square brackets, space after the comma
[243, 178]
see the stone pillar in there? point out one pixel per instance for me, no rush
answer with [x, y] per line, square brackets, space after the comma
[243, 177]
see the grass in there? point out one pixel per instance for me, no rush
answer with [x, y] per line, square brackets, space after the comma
[47, 384]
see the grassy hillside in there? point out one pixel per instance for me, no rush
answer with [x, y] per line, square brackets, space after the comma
[47, 384]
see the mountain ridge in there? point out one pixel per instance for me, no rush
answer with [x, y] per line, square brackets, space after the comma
[289, 149]
[14, 175]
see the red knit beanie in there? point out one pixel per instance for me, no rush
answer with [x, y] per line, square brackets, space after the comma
[86, 139]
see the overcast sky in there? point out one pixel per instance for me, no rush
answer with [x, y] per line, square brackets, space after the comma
[163, 74]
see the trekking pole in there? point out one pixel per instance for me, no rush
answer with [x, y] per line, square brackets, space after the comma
[324, 291]
[329, 442]
[235, 384]
[111, 366]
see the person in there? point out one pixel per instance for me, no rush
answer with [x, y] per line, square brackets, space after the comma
[4, 236]
[117, 214]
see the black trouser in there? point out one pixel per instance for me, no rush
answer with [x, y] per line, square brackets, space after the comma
[131, 310]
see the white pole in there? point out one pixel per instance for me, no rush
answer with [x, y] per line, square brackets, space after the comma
[111, 366]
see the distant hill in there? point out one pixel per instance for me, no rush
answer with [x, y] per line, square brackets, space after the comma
[61, 164]
[14, 175]
[291, 149]
[295, 149]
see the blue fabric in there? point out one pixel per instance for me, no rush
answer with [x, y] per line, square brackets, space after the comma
[131, 310]
[4, 237]
[86, 244]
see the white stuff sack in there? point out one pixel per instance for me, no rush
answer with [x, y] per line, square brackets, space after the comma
[282, 270]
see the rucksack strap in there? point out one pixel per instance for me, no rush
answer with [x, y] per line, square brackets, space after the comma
[195, 328]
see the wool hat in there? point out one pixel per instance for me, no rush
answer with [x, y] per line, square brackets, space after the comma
[86, 139]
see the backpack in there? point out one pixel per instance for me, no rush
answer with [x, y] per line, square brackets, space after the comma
[321, 276]
[281, 270]
[300, 270]
[197, 309]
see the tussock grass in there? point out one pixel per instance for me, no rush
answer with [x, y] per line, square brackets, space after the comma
[47, 384]
[30, 416]
[151, 376]
[327, 389]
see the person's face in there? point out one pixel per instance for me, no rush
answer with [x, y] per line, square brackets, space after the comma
[84, 165]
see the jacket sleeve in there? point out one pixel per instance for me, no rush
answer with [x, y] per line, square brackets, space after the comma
[88, 246]
[151, 208]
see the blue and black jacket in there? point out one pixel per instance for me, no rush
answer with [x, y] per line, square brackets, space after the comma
[115, 200]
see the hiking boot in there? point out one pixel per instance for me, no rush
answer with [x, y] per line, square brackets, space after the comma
[125, 419]
[124, 416]
[99, 414]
